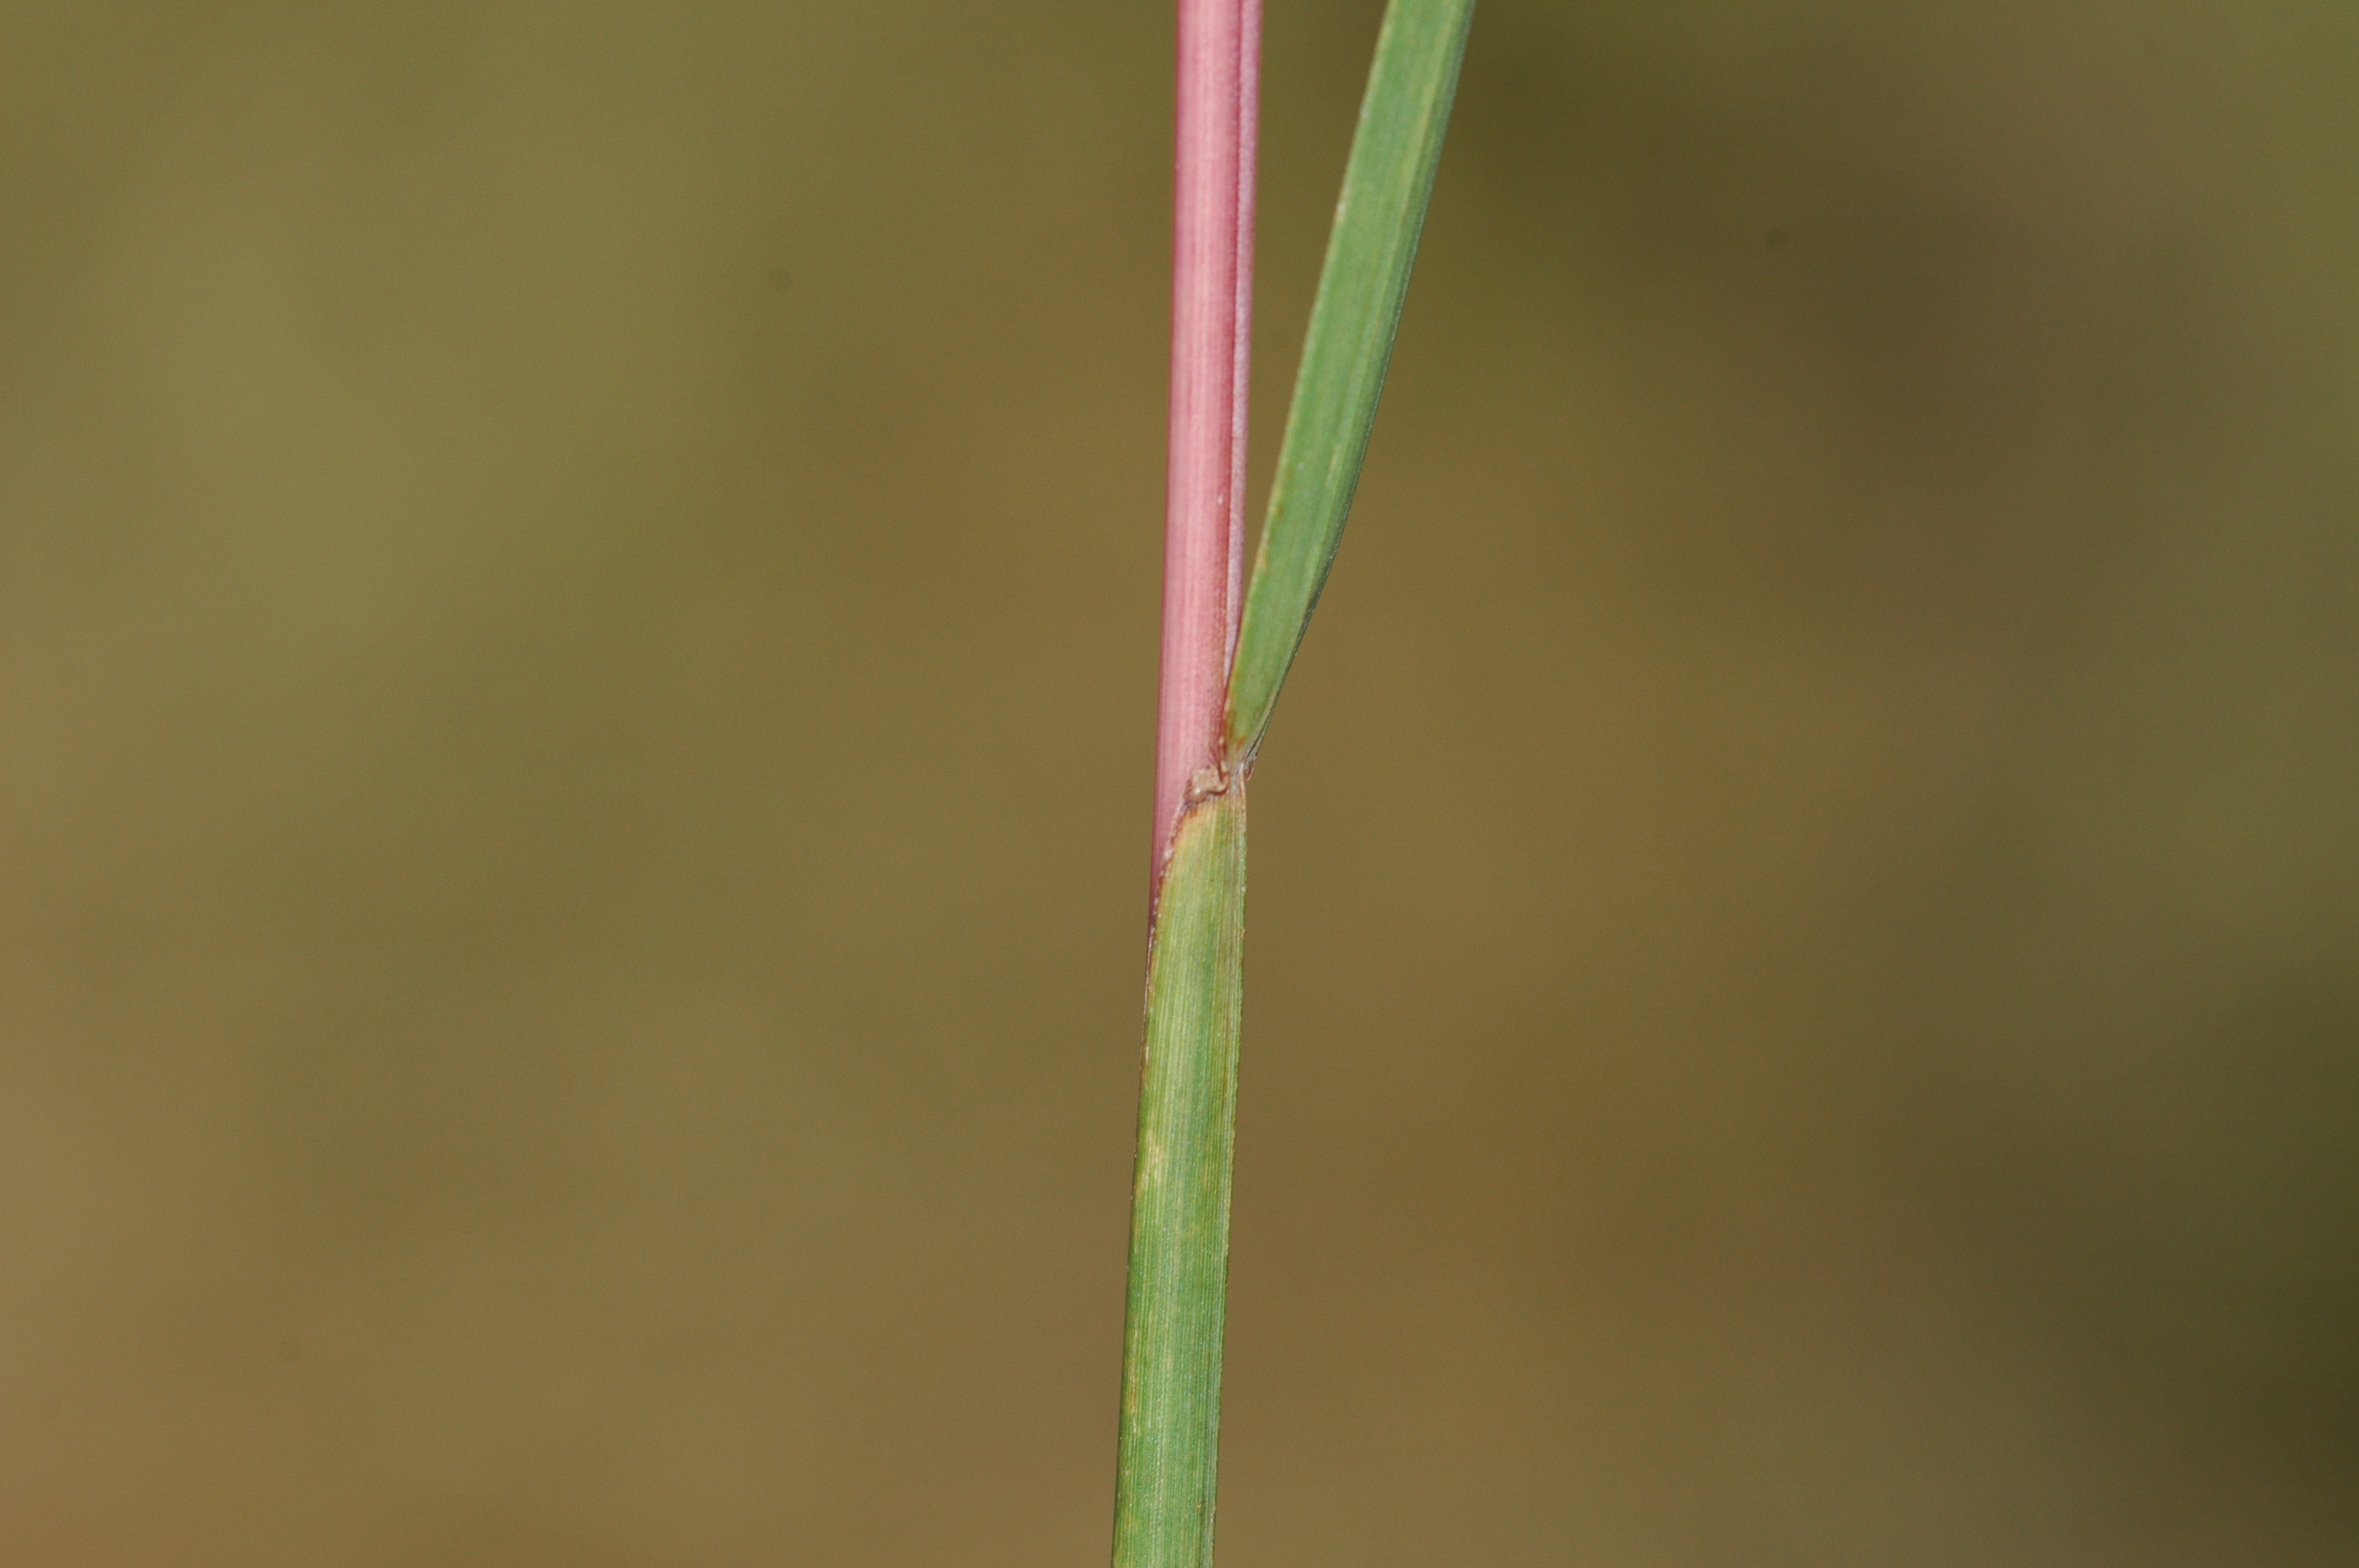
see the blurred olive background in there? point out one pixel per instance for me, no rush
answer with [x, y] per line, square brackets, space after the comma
[578, 587]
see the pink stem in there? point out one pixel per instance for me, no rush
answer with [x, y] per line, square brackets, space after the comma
[1211, 347]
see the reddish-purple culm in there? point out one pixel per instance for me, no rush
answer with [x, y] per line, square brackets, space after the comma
[1212, 352]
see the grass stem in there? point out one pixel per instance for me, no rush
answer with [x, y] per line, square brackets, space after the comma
[1224, 655]
[1211, 315]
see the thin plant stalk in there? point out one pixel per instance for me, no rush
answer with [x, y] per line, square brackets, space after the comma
[1168, 1461]
[1224, 657]
[1212, 291]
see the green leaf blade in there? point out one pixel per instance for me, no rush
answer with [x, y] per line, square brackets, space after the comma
[1362, 288]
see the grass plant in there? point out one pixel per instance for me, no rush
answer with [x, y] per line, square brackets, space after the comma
[1226, 650]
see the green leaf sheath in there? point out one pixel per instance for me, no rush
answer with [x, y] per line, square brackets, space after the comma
[1179, 1204]
[1369, 253]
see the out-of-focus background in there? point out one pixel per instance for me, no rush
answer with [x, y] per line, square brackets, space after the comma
[578, 591]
